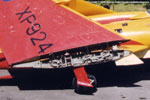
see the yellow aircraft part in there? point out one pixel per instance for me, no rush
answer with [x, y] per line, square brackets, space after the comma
[84, 7]
[133, 48]
[137, 30]
[128, 15]
[114, 15]
[141, 15]
[61, 1]
[139, 50]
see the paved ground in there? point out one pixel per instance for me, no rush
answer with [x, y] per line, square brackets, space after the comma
[114, 83]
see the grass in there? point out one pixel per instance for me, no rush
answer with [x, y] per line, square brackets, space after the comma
[128, 7]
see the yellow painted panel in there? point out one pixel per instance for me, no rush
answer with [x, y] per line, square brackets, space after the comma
[137, 30]
[133, 48]
[84, 7]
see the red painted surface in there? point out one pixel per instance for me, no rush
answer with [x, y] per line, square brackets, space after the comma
[82, 78]
[131, 42]
[112, 20]
[54, 25]
[3, 62]
[6, 77]
[2, 56]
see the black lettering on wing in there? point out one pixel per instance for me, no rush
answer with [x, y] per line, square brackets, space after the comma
[35, 28]
[30, 19]
[38, 39]
[44, 47]
[22, 13]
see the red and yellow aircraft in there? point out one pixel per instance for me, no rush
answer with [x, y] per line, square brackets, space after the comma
[70, 33]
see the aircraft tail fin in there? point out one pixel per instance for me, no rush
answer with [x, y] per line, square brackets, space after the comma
[129, 60]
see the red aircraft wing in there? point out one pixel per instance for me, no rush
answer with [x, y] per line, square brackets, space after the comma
[30, 28]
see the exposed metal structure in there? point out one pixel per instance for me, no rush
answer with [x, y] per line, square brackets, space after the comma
[78, 58]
